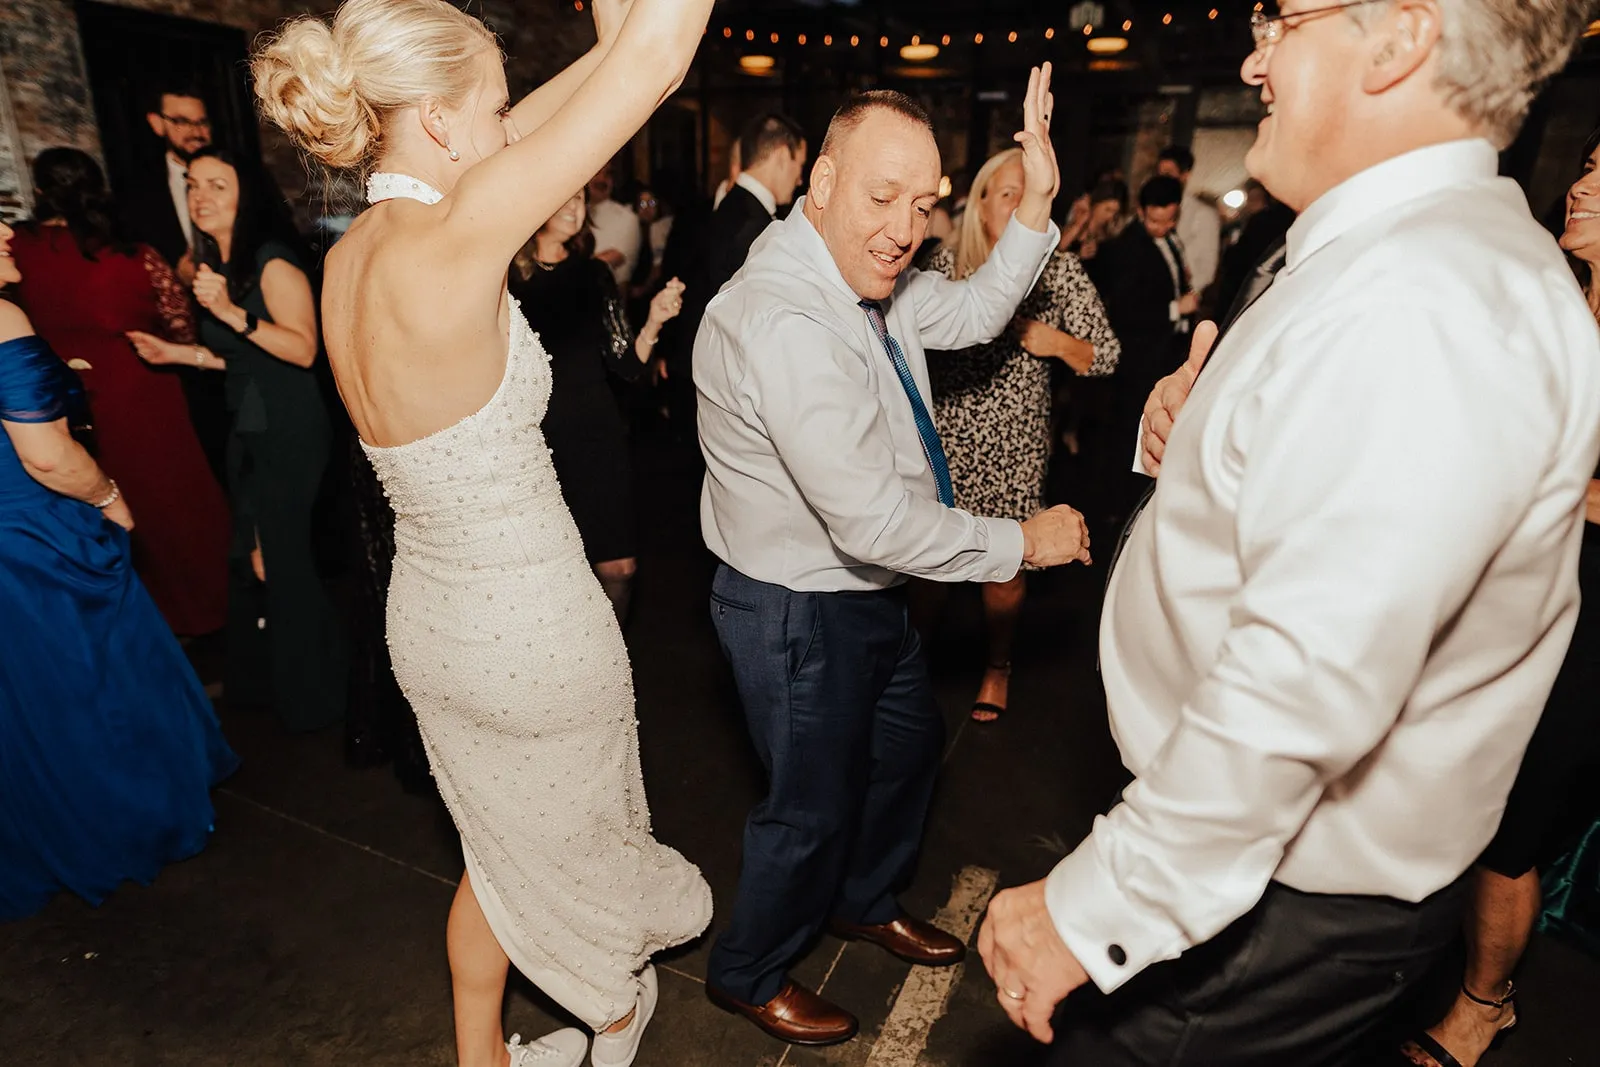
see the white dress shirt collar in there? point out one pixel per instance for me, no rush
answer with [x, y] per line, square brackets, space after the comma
[1380, 189]
[759, 191]
[804, 241]
[178, 186]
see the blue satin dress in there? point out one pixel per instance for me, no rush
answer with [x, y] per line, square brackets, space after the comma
[108, 744]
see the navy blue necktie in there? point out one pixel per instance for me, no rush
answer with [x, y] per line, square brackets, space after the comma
[931, 447]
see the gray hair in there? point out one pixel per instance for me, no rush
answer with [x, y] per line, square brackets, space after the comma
[1495, 55]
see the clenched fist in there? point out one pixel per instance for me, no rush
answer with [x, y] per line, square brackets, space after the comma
[1056, 536]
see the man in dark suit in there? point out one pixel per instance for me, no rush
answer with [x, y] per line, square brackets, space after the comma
[772, 149]
[1144, 283]
[155, 211]
[155, 207]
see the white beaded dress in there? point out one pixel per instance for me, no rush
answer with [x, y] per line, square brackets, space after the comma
[508, 649]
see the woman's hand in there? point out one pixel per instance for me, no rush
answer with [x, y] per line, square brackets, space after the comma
[211, 291]
[118, 513]
[159, 353]
[1041, 174]
[667, 303]
[1047, 342]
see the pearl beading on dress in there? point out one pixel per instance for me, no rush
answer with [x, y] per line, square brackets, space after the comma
[385, 186]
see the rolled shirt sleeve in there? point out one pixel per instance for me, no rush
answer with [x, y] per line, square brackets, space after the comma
[832, 435]
[1383, 472]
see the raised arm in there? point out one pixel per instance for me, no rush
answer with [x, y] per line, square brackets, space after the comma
[535, 109]
[509, 195]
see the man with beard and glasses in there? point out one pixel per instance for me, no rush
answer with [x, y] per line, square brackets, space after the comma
[1331, 632]
[155, 211]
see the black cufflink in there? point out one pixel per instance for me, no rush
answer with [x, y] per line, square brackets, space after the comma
[1118, 956]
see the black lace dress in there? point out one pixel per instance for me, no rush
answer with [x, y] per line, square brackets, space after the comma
[575, 309]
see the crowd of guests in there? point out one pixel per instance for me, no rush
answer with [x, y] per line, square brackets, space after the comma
[173, 445]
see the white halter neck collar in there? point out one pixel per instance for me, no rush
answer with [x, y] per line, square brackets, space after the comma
[381, 187]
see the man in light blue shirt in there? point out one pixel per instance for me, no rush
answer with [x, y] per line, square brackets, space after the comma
[825, 485]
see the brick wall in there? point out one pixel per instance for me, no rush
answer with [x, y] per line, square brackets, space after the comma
[49, 89]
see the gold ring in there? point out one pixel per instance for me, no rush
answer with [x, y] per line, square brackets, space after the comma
[1014, 996]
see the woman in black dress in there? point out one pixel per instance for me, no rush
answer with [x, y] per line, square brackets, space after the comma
[1554, 798]
[572, 303]
[259, 327]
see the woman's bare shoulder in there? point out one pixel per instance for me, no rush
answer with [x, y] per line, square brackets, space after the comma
[13, 321]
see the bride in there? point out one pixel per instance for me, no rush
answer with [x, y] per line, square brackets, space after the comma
[501, 636]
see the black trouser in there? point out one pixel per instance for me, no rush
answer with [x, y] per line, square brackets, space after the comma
[1303, 978]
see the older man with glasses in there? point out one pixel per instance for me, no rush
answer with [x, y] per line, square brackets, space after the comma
[1332, 631]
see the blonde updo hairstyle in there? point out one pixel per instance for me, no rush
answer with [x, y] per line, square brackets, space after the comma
[332, 87]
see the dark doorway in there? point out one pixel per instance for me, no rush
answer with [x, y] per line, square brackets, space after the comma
[129, 52]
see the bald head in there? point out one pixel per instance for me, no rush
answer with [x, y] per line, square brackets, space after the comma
[873, 190]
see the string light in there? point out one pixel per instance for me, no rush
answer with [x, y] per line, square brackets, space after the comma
[1088, 31]
[1012, 37]
[801, 38]
[1166, 20]
[1127, 25]
[977, 38]
[854, 40]
[1050, 33]
[827, 40]
[1212, 15]
[727, 31]
[945, 40]
[883, 42]
[774, 38]
[915, 40]
[749, 35]
[577, 5]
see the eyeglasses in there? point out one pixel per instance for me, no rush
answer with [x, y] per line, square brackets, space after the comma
[1269, 29]
[186, 124]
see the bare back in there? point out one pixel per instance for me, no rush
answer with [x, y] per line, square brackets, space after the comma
[416, 343]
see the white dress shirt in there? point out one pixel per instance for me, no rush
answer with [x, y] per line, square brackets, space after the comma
[178, 186]
[815, 476]
[1332, 632]
[616, 227]
[1164, 245]
[1200, 233]
[759, 191]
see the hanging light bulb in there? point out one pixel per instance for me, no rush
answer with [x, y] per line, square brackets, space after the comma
[757, 64]
[801, 39]
[977, 38]
[1012, 37]
[916, 52]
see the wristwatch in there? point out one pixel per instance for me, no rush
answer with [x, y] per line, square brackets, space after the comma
[250, 324]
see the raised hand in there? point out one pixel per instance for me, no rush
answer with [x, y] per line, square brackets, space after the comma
[1169, 396]
[211, 291]
[667, 303]
[1040, 171]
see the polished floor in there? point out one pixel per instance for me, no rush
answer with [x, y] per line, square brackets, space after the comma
[311, 932]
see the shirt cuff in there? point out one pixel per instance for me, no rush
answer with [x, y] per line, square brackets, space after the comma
[1138, 452]
[1111, 938]
[1005, 548]
[1172, 311]
[1027, 245]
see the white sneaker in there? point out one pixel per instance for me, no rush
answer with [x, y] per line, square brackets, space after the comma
[563, 1048]
[619, 1049]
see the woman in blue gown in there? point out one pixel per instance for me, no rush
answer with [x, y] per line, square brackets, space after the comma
[108, 744]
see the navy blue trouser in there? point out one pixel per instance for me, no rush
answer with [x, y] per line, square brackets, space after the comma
[838, 703]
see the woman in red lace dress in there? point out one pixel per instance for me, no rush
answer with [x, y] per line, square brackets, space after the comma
[89, 294]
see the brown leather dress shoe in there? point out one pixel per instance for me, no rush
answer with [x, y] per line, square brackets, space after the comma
[795, 1015]
[911, 939]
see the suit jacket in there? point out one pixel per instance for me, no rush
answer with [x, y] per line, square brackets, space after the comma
[1135, 284]
[731, 230]
[149, 216]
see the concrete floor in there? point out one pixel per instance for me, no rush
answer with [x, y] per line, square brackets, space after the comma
[311, 931]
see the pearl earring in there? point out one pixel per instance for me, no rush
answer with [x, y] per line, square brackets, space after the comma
[454, 155]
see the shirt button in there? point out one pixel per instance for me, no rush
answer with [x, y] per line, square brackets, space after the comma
[1117, 955]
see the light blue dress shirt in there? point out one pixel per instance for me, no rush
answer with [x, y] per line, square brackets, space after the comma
[816, 479]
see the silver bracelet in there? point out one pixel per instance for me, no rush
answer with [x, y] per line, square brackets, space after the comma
[116, 495]
[199, 357]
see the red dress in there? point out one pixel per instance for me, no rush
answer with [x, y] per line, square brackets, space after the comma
[143, 437]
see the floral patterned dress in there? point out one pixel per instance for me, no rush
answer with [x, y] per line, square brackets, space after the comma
[991, 402]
